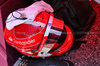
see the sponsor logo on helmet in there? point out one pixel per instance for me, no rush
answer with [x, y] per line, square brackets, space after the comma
[22, 42]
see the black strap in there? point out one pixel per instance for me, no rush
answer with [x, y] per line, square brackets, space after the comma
[74, 11]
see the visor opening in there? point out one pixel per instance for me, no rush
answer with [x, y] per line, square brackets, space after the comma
[60, 41]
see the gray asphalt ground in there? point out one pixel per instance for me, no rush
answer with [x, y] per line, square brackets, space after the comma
[89, 53]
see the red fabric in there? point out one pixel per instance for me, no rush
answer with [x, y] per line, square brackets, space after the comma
[3, 56]
[2, 1]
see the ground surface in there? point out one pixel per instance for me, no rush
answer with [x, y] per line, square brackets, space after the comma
[89, 53]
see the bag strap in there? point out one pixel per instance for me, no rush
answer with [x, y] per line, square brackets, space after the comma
[74, 11]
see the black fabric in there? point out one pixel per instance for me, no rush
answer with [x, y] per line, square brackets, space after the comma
[49, 62]
[78, 14]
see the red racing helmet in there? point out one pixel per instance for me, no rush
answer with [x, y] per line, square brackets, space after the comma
[44, 37]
